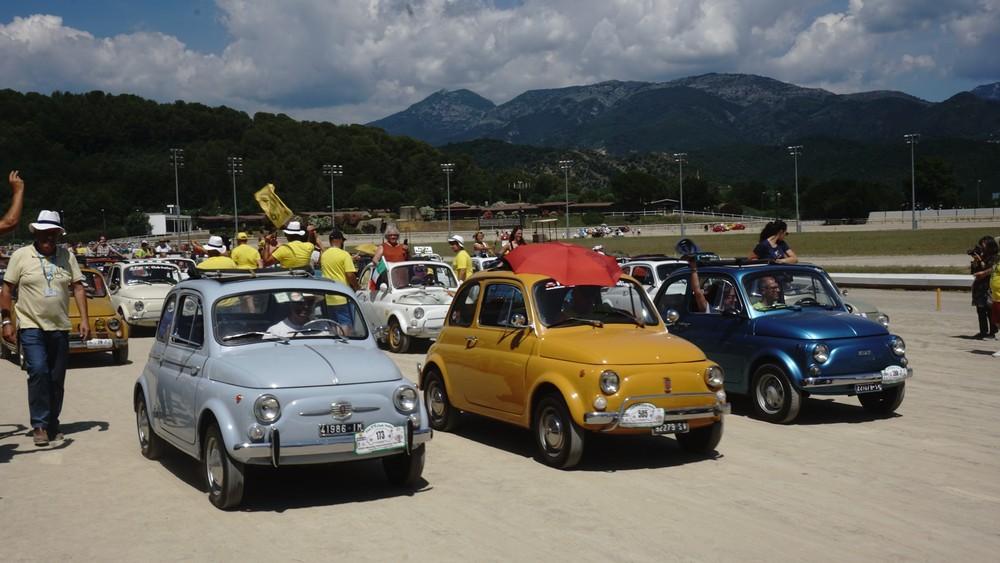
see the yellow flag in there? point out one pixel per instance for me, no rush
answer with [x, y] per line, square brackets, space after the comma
[275, 209]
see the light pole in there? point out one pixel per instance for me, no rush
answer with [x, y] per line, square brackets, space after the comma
[520, 186]
[979, 183]
[177, 159]
[912, 139]
[235, 169]
[565, 165]
[448, 168]
[104, 221]
[681, 158]
[795, 151]
[332, 170]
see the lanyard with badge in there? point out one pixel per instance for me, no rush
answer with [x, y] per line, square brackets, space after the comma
[49, 276]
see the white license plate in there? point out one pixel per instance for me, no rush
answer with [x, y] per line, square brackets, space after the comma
[678, 427]
[867, 388]
[642, 415]
[99, 343]
[378, 437]
[893, 374]
[339, 429]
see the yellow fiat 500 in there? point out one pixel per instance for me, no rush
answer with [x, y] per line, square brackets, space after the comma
[566, 361]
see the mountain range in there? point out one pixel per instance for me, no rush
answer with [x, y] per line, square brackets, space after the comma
[711, 110]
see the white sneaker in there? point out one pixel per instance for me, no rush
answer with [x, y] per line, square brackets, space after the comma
[996, 354]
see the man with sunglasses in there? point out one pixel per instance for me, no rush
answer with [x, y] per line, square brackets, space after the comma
[770, 292]
[300, 308]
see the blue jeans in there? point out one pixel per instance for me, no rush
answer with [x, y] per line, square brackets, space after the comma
[343, 314]
[45, 353]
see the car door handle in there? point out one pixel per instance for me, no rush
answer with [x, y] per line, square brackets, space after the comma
[470, 341]
[194, 369]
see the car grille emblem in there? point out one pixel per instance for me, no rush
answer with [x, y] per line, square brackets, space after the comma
[864, 352]
[667, 385]
[341, 410]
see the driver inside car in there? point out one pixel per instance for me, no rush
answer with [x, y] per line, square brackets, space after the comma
[300, 309]
[770, 292]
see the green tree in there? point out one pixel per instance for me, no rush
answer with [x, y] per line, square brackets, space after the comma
[634, 188]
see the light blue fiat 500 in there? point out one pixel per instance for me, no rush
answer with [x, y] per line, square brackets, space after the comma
[274, 369]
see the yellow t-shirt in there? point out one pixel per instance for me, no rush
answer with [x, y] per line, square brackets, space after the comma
[43, 287]
[336, 263]
[217, 263]
[995, 283]
[245, 256]
[462, 261]
[293, 254]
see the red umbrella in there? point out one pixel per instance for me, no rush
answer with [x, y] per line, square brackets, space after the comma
[568, 264]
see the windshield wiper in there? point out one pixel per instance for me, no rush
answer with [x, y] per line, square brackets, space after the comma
[627, 315]
[246, 334]
[567, 320]
[306, 331]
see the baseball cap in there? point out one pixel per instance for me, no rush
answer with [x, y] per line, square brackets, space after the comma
[242, 236]
[457, 239]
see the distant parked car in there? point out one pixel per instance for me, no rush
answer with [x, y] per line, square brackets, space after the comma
[138, 287]
[720, 228]
[410, 300]
[804, 342]
[651, 270]
[273, 369]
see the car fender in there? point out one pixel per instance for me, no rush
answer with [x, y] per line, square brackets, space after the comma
[567, 389]
[232, 432]
[399, 314]
[774, 356]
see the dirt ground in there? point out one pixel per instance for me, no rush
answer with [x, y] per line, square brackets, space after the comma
[837, 485]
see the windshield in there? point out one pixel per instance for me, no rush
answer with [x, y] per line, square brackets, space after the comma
[93, 283]
[664, 270]
[778, 289]
[623, 303]
[429, 274]
[152, 274]
[285, 314]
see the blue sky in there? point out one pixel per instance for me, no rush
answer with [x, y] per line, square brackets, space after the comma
[354, 61]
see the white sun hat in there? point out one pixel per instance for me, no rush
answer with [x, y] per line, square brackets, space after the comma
[47, 221]
[294, 228]
[215, 243]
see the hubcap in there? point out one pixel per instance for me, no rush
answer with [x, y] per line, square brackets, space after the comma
[394, 335]
[551, 430]
[213, 465]
[142, 424]
[436, 395]
[770, 394]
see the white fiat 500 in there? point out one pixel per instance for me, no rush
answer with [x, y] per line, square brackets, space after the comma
[409, 299]
[137, 289]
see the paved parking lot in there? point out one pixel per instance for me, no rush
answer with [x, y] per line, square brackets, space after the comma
[837, 485]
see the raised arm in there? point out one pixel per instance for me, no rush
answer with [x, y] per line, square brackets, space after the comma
[13, 215]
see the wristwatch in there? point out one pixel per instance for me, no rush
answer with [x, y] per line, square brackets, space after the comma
[5, 322]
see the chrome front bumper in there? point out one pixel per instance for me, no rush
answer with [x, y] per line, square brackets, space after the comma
[612, 418]
[274, 450]
[855, 379]
[81, 345]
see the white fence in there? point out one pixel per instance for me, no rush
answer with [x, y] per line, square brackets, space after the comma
[976, 214]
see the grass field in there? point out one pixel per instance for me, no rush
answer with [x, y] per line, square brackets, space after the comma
[852, 243]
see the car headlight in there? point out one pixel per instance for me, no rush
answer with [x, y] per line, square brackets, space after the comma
[418, 313]
[821, 353]
[114, 324]
[610, 382]
[898, 346]
[138, 306]
[714, 377]
[405, 399]
[883, 319]
[267, 409]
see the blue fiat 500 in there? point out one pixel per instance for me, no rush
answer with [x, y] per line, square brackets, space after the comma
[782, 333]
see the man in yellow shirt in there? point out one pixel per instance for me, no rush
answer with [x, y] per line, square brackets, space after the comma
[245, 256]
[44, 275]
[338, 265]
[293, 254]
[216, 261]
[462, 262]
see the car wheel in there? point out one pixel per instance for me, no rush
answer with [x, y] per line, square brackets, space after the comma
[559, 440]
[885, 402]
[701, 440]
[443, 416]
[120, 354]
[398, 341]
[774, 398]
[404, 470]
[150, 444]
[223, 475]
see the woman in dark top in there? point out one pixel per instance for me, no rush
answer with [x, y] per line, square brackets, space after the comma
[515, 240]
[772, 245]
[982, 267]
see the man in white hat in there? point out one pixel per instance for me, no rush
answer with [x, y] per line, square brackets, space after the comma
[296, 253]
[43, 274]
[462, 262]
[13, 215]
[216, 261]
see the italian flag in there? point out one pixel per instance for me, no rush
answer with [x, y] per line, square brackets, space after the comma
[380, 269]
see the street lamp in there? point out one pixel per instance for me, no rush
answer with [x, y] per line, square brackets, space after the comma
[912, 139]
[448, 168]
[104, 221]
[177, 159]
[565, 165]
[332, 170]
[979, 183]
[795, 151]
[235, 169]
[520, 186]
[681, 158]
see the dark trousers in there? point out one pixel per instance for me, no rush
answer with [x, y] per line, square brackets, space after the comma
[986, 324]
[45, 354]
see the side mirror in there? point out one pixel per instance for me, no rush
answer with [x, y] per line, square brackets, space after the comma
[672, 316]
[379, 332]
[518, 320]
[383, 287]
